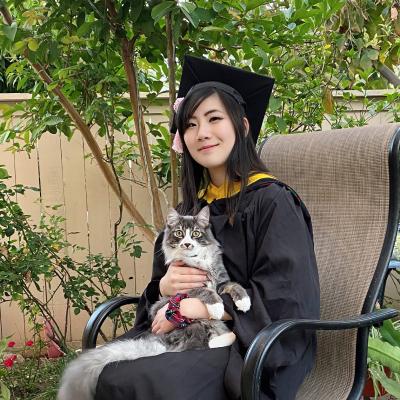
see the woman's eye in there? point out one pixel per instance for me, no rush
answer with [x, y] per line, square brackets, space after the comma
[178, 234]
[190, 125]
[196, 234]
[215, 119]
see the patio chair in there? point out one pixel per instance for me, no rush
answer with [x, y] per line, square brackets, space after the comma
[349, 181]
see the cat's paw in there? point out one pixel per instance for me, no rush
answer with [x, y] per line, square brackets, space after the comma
[223, 340]
[243, 304]
[216, 310]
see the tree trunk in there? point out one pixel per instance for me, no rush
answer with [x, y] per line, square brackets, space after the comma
[172, 98]
[130, 71]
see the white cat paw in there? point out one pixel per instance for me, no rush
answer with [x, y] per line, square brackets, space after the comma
[216, 310]
[223, 340]
[243, 304]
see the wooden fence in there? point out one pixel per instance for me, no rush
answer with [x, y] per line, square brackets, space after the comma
[67, 176]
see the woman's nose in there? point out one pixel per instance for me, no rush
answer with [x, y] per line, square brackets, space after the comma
[203, 132]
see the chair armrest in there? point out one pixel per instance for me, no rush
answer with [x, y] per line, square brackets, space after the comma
[262, 344]
[99, 315]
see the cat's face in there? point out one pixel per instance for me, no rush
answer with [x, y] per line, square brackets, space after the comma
[186, 234]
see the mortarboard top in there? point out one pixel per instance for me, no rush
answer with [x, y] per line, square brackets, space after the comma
[248, 88]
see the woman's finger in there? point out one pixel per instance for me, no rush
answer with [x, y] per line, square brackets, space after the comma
[189, 278]
[190, 271]
[185, 286]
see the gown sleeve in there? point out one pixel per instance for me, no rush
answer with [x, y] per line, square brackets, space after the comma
[152, 291]
[283, 278]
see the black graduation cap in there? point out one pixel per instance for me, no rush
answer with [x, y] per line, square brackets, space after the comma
[248, 88]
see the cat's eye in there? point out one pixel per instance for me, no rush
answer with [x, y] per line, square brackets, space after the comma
[196, 234]
[178, 233]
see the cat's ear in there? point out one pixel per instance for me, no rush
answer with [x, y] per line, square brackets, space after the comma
[172, 217]
[203, 217]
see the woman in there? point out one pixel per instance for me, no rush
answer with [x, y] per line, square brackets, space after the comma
[266, 236]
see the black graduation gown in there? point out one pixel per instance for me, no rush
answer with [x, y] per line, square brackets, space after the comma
[269, 251]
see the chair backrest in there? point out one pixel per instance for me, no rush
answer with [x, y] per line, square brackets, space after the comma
[343, 177]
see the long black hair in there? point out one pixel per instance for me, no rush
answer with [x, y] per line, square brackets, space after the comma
[242, 161]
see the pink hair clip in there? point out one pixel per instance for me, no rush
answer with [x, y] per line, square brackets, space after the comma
[177, 143]
[177, 103]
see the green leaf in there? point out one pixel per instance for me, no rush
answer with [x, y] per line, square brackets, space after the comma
[5, 392]
[51, 121]
[3, 173]
[384, 353]
[137, 251]
[9, 231]
[281, 123]
[365, 62]
[136, 10]
[187, 9]
[287, 12]
[161, 9]
[70, 39]
[390, 385]
[4, 137]
[84, 28]
[20, 46]
[256, 63]
[10, 31]
[252, 4]
[213, 29]
[217, 6]
[52, 86]
[33, 44]
[274, 104]
[389, 333]
[293, 63]
[373, 54]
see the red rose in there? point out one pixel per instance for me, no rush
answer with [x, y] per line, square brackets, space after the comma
[29, 343]
[11, 344]
[9, 361]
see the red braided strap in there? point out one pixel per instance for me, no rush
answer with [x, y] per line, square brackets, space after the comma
[173, 314]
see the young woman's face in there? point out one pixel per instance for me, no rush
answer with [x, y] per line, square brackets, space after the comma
[210, 137]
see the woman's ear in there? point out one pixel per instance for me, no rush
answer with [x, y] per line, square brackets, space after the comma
[246, 125]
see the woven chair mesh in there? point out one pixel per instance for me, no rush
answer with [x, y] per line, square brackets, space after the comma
[342, 176]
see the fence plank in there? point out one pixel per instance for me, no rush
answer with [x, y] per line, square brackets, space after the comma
[73, 167]
[52, 194]
[98, 205]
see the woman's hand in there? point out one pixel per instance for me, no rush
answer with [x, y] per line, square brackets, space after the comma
[180, 279]
[195, 309]
[190, 308]
[160, 324]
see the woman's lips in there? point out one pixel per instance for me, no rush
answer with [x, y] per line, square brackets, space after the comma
[205, 148]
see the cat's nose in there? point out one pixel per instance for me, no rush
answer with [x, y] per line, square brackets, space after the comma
[187, 245]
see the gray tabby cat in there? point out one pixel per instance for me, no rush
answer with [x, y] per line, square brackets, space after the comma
[188, 239]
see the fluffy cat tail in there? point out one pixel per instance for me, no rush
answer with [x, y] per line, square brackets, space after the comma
[80, 377]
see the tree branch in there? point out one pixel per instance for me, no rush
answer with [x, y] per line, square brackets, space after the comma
[172, 97]
[94, 147]
[387, 73]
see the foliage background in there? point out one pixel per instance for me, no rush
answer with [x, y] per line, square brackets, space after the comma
[99, 54]
[93, 57]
